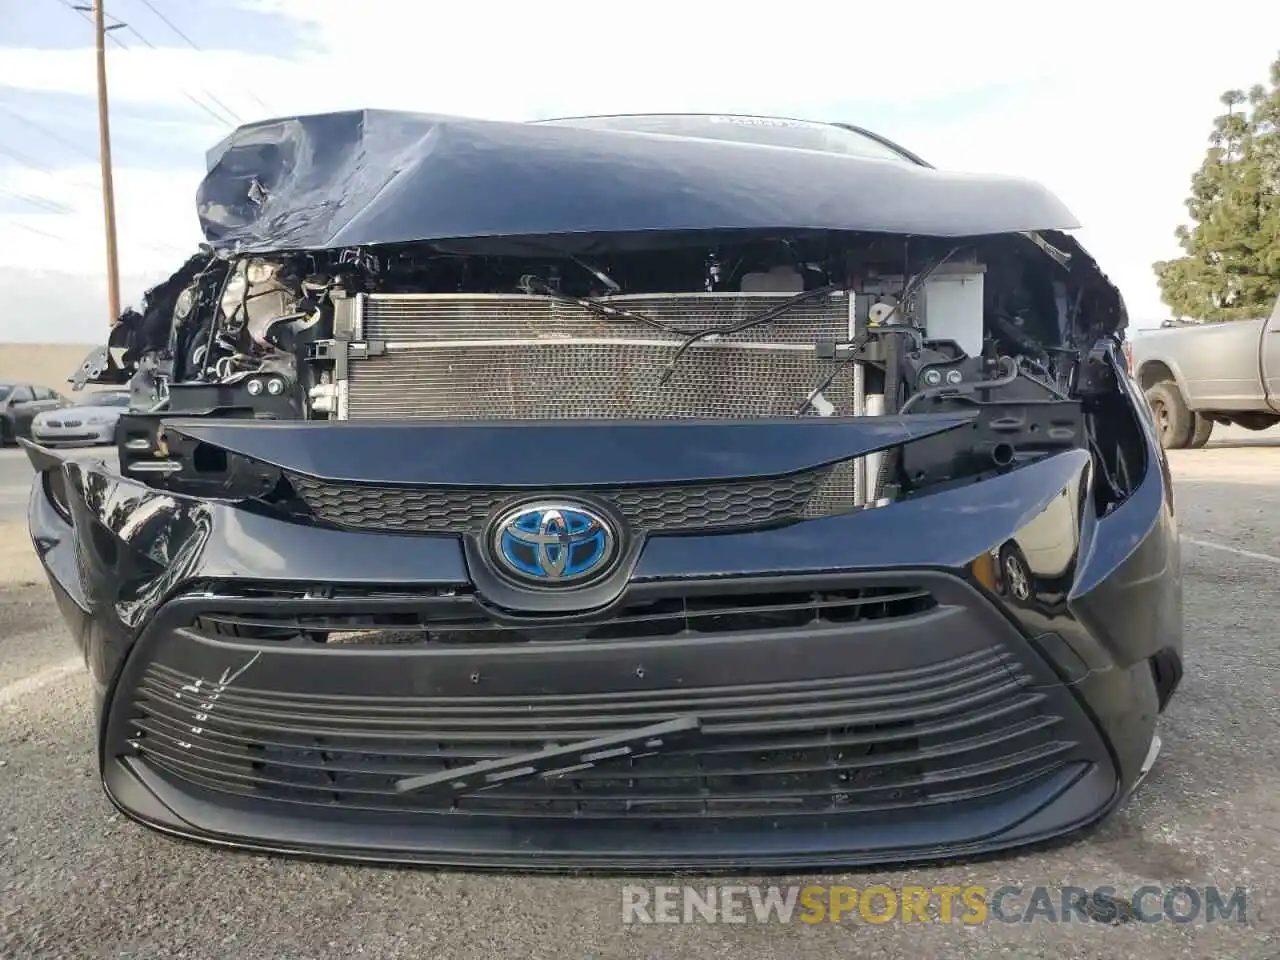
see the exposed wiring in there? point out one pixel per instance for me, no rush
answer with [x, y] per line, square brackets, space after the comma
[840, 367]
[909, 290]
[531, 284]
[768, 315]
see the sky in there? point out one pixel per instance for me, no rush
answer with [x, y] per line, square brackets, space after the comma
[1107, 103]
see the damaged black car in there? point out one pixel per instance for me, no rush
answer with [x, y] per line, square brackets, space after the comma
[612, 493]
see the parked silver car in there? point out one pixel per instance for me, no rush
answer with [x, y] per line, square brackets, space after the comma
[91, 420]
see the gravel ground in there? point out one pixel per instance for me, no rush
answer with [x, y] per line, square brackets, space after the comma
[77, 880]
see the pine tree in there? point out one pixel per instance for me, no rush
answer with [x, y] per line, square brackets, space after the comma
[1231, 270]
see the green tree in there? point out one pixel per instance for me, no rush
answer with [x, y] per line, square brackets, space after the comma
[1231, 270]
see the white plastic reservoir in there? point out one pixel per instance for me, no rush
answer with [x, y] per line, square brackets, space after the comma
[953, 305]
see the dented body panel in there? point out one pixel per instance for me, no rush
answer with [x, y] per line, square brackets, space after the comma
[376, 177]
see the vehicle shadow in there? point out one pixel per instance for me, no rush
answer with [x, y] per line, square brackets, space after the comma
[1236, 443]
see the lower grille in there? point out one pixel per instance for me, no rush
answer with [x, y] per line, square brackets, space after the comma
[403, 618]
[958, 729]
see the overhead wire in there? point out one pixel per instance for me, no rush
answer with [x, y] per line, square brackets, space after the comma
[178, 31]
[37, 230]
[50, 134]
[50, 205]
[123, 46]
[147, 43]
[35, 165]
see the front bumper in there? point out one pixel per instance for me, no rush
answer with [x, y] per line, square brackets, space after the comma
[866, 688]
[83, 434]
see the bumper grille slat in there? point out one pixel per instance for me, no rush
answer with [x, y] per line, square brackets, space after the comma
[167, 686]
[798, 728]
[820, 608]
[171, 740]
[942, 722]
[463, 619]
[178, 731]
[575, 809]
[839, 713]
[965, 726]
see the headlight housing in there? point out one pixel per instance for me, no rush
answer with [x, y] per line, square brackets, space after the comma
[97, 418]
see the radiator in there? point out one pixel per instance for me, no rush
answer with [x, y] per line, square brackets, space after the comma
[518, 357]
[515, 357]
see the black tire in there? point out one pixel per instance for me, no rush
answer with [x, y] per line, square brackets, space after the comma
[1174, 422]
[1200, 432]
[1015, 574]
[6, 433]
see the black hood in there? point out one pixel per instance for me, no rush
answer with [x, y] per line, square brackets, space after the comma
[370, 177]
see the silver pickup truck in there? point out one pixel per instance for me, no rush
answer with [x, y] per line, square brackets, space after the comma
[1199, 374]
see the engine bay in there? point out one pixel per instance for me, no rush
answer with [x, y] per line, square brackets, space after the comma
[1016, 328]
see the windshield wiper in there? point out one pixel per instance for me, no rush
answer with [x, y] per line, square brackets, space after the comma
[553, 761]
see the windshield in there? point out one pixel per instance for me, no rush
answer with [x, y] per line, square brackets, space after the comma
[104, 400]
[5, 390]
[775, 131]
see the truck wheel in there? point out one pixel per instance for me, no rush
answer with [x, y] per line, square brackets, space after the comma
[1174, 421]
[1200, 433]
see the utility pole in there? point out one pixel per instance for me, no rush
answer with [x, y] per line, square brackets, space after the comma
[104, 158]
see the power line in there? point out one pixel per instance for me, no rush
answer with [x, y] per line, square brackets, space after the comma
[203, 106]
[41, 168]
[170, 24]
[71, 145]
[194, 46]
[147, 43]
[50, 206]
[123, 46]
[31, 229]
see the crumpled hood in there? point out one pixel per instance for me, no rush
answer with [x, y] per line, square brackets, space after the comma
[373, 177]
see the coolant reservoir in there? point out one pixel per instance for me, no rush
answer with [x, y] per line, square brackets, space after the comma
[952, 300]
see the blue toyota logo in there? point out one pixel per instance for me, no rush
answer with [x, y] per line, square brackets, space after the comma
[553, 543]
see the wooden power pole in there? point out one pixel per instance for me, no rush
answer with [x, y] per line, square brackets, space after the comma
[104, 157]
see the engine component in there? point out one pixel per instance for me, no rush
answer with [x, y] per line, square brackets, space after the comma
[953, 306]
[835, 326]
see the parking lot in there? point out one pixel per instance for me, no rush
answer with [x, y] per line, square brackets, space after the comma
[78, 880]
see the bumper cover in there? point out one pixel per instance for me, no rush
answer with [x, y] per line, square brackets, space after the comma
[858, 689]
[85, 434]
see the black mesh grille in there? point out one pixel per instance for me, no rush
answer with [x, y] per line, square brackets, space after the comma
[742, 505]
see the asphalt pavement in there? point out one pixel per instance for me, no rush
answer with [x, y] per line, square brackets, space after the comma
[79, 880]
